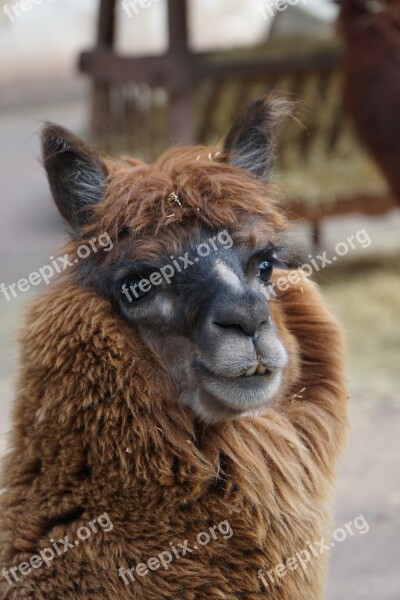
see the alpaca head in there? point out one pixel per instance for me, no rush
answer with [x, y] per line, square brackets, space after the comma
[369, 11]
[365, 6]
[196, 239]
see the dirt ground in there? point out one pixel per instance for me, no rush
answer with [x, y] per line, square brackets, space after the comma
[363, 290]
[367, 302]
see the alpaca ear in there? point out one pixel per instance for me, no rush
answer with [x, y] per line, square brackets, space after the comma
[75, 173]
[250, 144]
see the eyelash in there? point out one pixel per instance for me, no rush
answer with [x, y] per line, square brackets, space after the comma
[270, 257]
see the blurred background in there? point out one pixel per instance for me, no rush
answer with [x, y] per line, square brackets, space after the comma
[136, 76]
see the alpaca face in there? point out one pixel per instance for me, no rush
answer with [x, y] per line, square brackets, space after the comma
[195, 287]
[209, 321]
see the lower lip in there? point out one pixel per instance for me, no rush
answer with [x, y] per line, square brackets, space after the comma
[241, 395]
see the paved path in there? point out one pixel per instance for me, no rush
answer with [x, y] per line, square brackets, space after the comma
[368, 566]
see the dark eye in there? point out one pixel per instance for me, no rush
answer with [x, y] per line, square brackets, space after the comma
[132, 290]
[265, 269]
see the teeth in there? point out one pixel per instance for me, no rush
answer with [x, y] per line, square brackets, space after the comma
[257, 368]
[251, 371]
[260, 369]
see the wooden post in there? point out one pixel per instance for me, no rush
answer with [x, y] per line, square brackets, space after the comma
[106, 23]
[178, 27]
[181, 111]
[101, 101]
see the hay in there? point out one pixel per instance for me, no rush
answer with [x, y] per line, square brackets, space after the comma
[365, 296]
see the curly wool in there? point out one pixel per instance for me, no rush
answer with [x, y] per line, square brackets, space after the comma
[98, 429]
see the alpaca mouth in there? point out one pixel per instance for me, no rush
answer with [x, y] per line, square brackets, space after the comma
[253, 386]
[253, 382]
[238, 379]
[257, 369]
[247, 393]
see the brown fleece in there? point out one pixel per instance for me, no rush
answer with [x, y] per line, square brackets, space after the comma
[371, 69]
[98, 428]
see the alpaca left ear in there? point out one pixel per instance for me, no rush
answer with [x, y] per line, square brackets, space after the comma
[75, 172]
[250, 144]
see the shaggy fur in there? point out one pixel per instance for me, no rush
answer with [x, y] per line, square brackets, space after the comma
[98, 428]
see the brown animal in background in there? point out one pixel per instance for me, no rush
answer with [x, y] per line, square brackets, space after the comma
[371, 31]
[195, 425]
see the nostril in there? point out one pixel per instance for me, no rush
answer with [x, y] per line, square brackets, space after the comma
[245, 318]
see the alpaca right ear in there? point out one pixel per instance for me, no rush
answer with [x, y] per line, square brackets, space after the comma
[75, 173]
[250, 144]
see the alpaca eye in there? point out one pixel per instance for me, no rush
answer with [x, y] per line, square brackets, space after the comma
[265, 269]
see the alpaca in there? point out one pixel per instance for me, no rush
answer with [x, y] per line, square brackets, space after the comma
[175, 431]
[371, 66]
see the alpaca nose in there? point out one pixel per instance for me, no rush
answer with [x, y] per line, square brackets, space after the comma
[244, 317]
